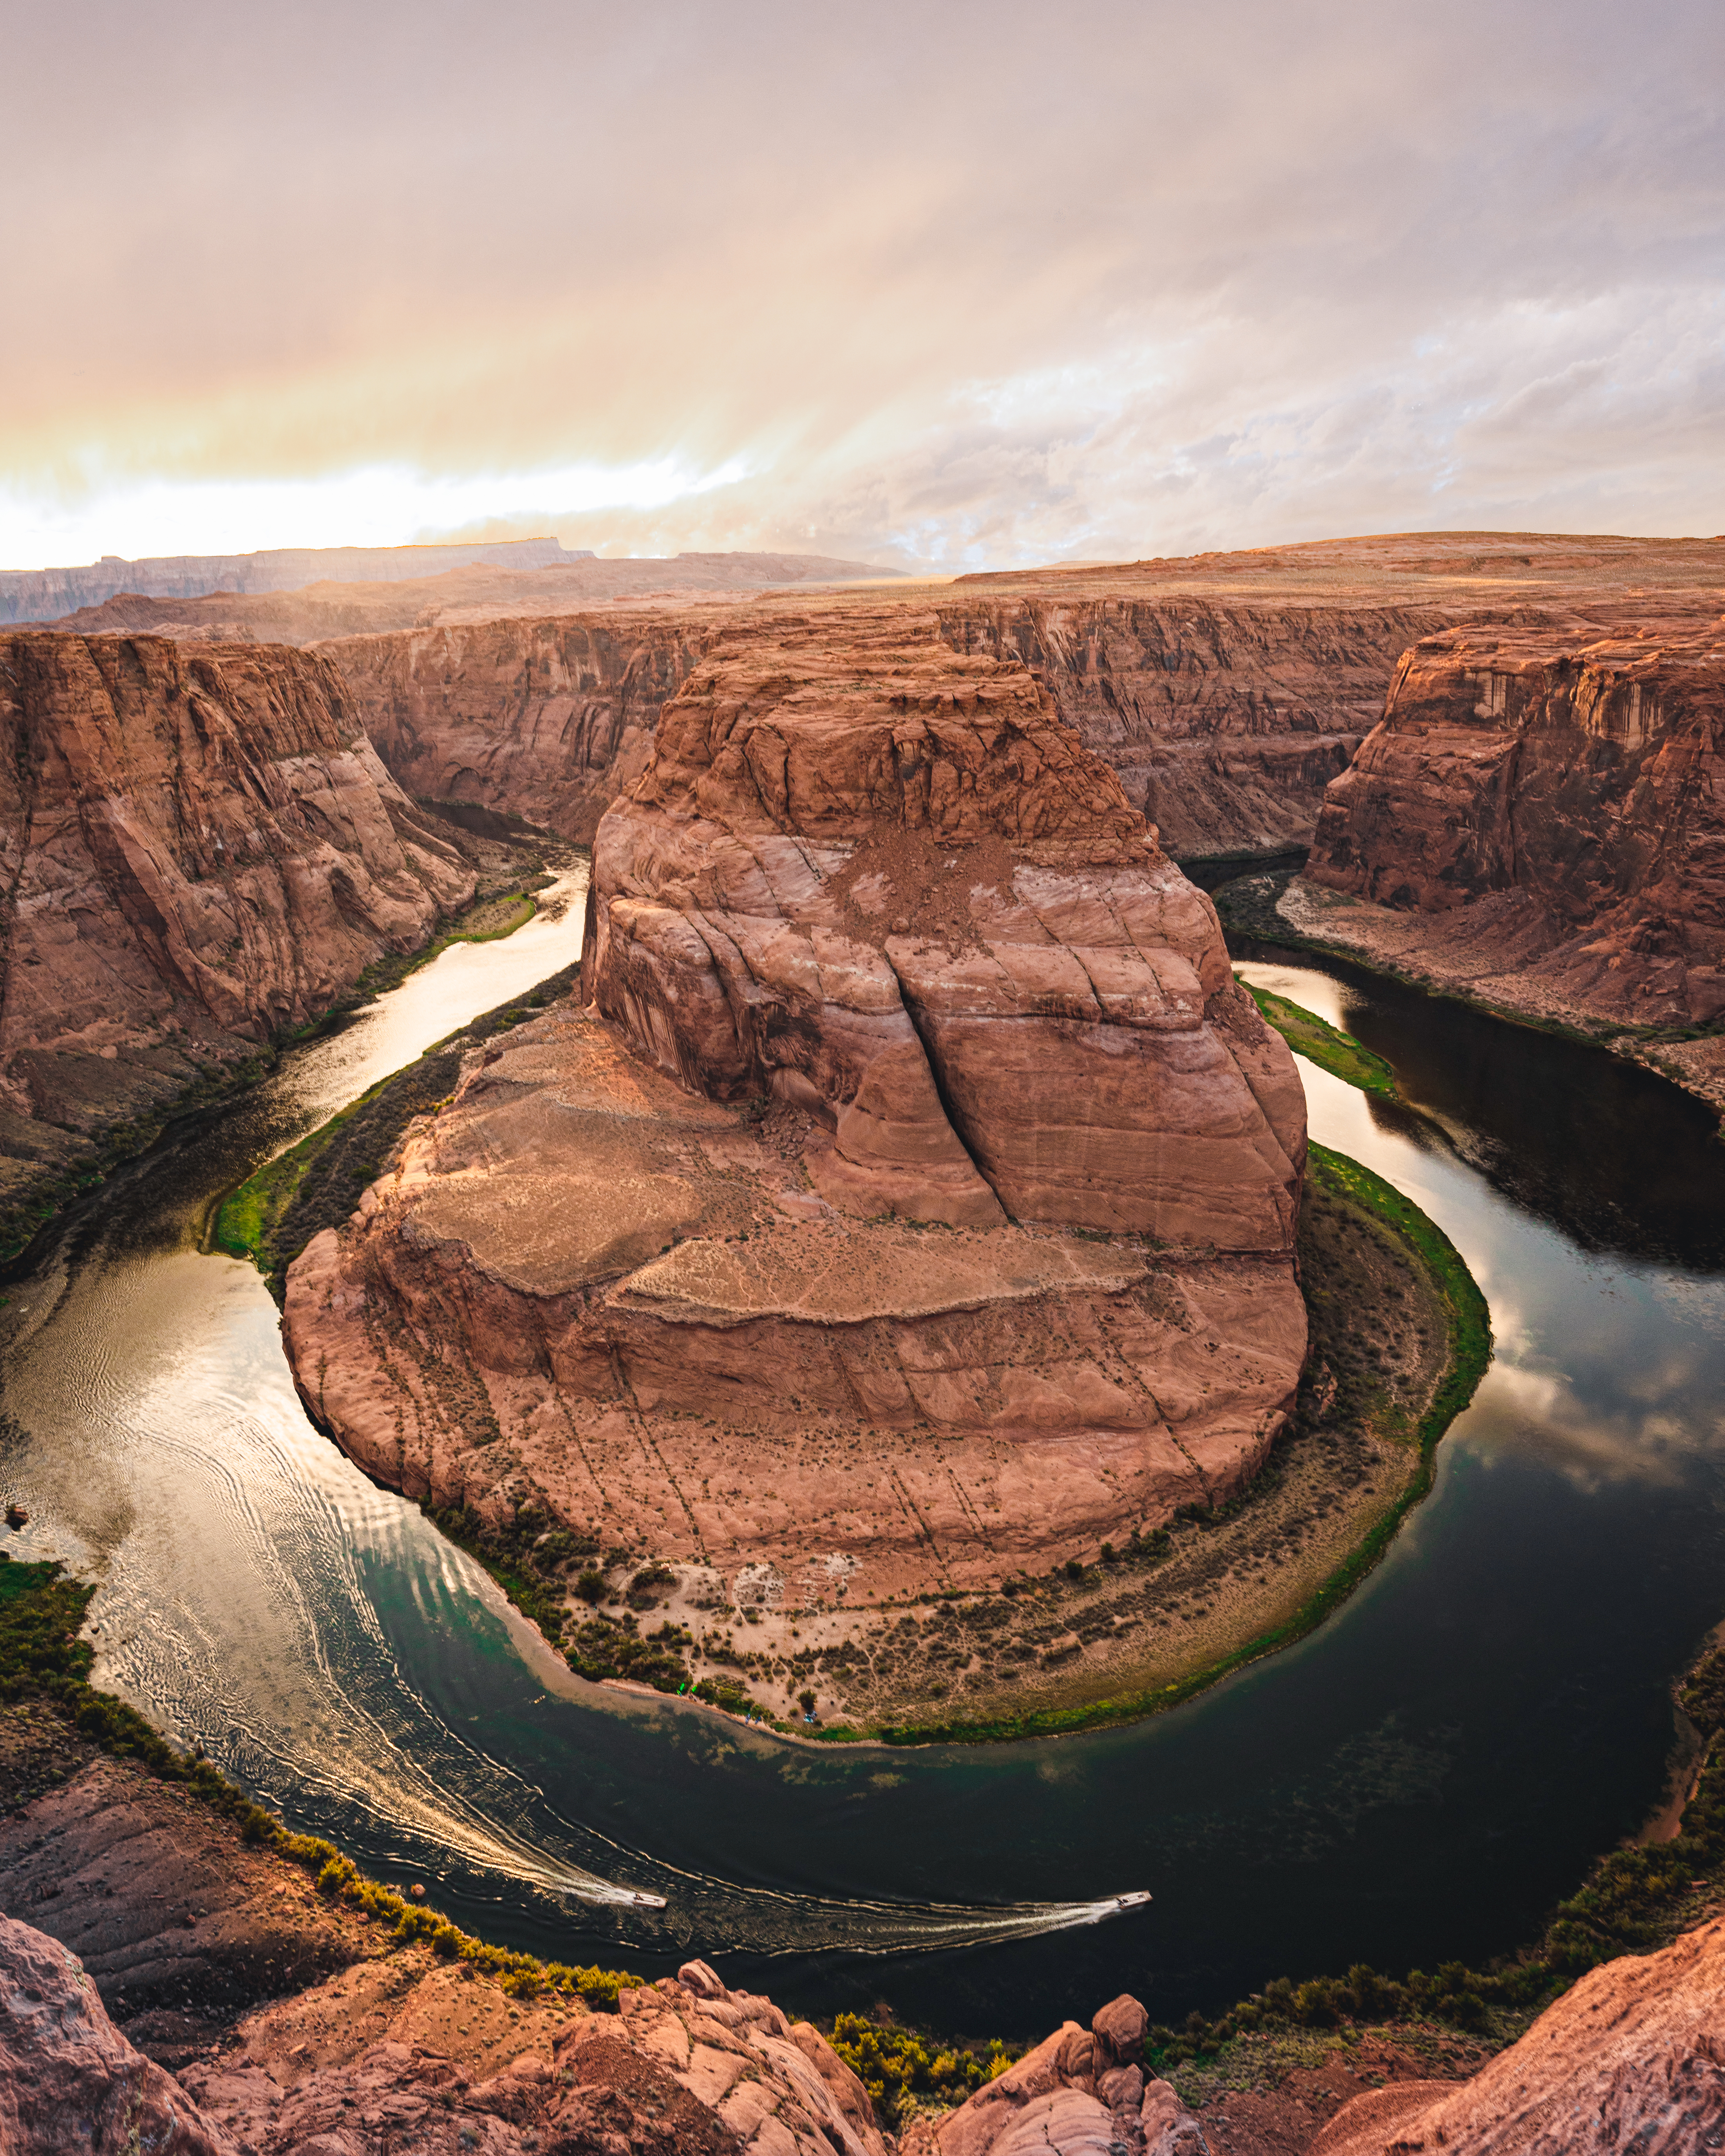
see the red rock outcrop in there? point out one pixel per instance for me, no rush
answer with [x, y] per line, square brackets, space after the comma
[888, 885]
[1225, 722]
[688, 2067]
[1633, 2058]
[548, 719]
[1542, 806]
[990, 1255]
[198, 848]
[1081, 2092]
[71, 2084]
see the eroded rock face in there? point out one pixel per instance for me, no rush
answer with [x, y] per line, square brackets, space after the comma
[198, 848]
[1081, 2092]
[916, 1198]
[1544, 801]
[889, 885]
[71, 2084]
[548, 719]
[1224, 722]
[1633, 2057]
[687, 2067]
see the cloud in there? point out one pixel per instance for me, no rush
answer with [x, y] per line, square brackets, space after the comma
[962, 284]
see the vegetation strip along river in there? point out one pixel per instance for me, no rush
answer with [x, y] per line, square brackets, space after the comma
[1420, 1779]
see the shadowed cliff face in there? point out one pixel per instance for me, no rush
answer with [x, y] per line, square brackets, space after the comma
[548, 720]
[1548, 797]
[197, 849]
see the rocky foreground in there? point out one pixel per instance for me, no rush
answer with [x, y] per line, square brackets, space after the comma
[914, 1202]
[200, 849]
[165, 1988]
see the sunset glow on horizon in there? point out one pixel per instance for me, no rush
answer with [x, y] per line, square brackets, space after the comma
[946, 288]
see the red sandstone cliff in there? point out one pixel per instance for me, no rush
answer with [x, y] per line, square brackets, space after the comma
[1633, 2058]
[198, 848]
[548, 719]
[1542, 814]
[927, 1201]
[1225, 722]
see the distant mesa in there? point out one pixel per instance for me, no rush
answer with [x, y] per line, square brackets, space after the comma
[45, 594]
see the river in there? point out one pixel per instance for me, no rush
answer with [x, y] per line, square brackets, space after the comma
[1417, 1780]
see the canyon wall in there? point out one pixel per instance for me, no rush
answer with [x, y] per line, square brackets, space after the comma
[1542, 815]
[197, 848]
[915, 1202]
[1225, 723]
[545, 719]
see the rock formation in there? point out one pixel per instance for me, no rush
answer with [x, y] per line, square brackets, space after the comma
[1633, 2058]
[68, 2081]
[548, 719]
[917, 1197]
[1225, 722]
[199, 847]
[1539, 815]
[1081, 2092]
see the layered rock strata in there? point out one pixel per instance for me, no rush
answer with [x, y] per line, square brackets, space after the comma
[548, 720]
[916, 1198]
[1539, 814]
[1225, 722]
[199, 849]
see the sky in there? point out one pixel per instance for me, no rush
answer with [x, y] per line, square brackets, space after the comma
[944, 284]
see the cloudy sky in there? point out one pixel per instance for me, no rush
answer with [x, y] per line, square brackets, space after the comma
[954, 284]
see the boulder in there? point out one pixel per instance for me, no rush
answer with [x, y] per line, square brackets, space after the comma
[1066, 2095]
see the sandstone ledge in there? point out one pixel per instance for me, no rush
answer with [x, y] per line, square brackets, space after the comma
[687, 1349]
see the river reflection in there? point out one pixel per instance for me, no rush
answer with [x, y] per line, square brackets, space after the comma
[1417, 1780]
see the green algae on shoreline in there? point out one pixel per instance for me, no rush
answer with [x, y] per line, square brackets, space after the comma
[271, 1217]
[26, 1215]
[1468, 1352]
[1325, 1045]
[44, 1657]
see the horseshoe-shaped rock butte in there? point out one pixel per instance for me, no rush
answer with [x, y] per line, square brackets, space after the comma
[909, 1195]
